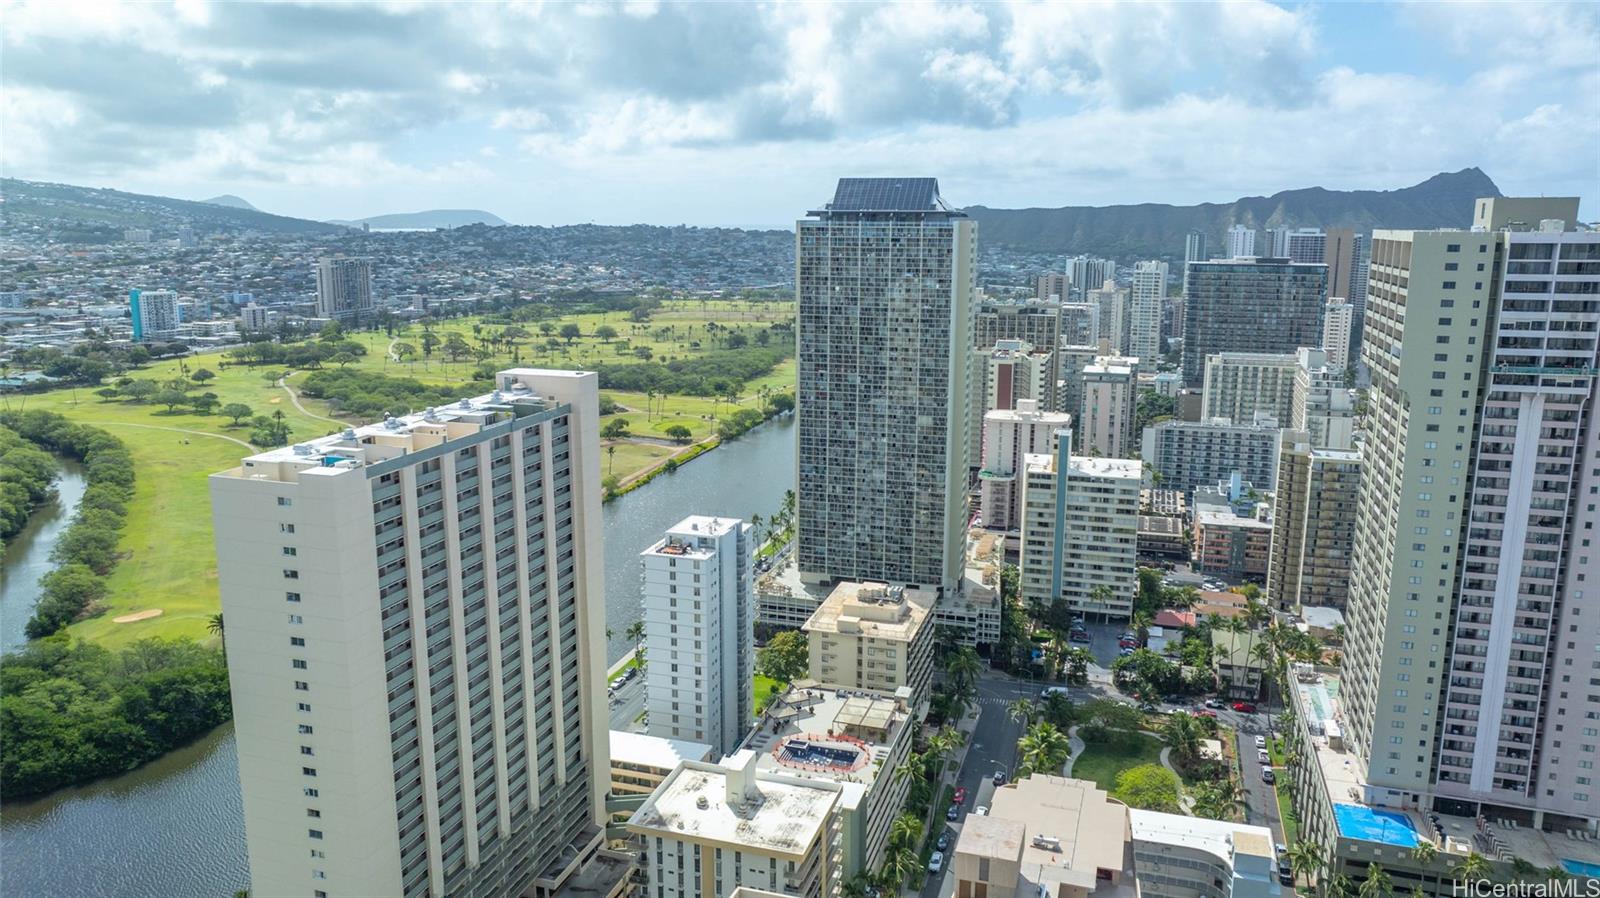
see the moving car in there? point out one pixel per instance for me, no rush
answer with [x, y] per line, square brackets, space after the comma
[1244, 707]
[999, 777]
[1052, 690]
[1215, 703]
[936, 862]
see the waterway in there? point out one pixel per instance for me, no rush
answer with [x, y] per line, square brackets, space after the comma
[175, 827]
[27, 555]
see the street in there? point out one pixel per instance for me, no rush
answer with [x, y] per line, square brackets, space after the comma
[628, 704]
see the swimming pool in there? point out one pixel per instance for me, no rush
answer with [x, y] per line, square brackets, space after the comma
[1581, 868]
[1373, 825]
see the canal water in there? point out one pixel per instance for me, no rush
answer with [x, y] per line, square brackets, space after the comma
[27, 555]
[175, 827]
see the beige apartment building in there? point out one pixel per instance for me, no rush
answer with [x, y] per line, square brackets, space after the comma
[1313, 525]
[1009, 436]
[1238, 385]
[416, 644]
[1055, 837]
[711, 828]
[873, 636]
[1106, 417]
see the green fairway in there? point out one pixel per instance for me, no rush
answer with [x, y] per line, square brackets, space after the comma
[168, 560]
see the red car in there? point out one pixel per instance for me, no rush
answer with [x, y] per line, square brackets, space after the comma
[961, 794]
[1205, 712]
[1244, 707]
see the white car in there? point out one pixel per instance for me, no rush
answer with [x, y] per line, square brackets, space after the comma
[1261, 742]
[936, 862]
[980, 811]
[1263, 757]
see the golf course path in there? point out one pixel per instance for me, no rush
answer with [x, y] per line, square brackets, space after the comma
[294, 398]
[198, 433]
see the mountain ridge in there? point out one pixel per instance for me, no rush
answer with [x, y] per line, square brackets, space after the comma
[232, 202]
[1153, 230]
[426, 219]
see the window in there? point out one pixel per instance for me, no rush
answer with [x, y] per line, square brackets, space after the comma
[306, 750]
[285, 528]
[289, 574]
[1449, 285]
[309, 771]
[313, 812]
[292, 597]
[290, 550]
[1453, 248]
[303, 706]
[310, 792]
[298, 664]
[314, 833]
[296, 640]
[302, 686]
[296, 619]
[285, 501]
[305, 729]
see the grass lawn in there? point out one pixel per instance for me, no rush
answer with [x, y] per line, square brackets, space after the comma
[1103, 761]
[761, 688]
[633, 661]
[1291, 826]
[631, 458]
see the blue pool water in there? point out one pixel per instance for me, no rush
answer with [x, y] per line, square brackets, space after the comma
[821, 755]
[1581, 868]
[1373, 825]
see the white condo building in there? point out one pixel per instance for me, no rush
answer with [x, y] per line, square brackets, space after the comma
[698, 623]
[1080, 531]
[1148, 293]
[415, 639]
[1338, 322]
[1008, 436]
[1321, 404]
[1241, 242]
[154, 314]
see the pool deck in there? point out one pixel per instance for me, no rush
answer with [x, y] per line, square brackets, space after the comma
[1347, 785]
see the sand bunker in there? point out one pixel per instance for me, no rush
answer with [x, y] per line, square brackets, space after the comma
[137, 615]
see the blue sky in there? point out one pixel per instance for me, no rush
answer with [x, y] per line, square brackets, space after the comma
[744, 114]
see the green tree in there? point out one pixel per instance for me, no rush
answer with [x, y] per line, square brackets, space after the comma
[1182, 734]
[1022, 710]
[1425, 852]
[170, 398]
[963, 666]
[238, 411]
[905, 830]
[785, 657]
[1377, 884]
[679, 434]
[140, 390]
[615, 429]
[1044, 748]
[570, 332]
[605, 332]
[1150, 787]
[1304, 859]
[1471, 868]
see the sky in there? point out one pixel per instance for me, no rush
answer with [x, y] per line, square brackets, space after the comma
[744, 114]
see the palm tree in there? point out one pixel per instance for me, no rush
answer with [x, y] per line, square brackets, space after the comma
[1377, 884]
[214, 627]
[635, 635]
[1022, 711]
[1341, 886]
[898, 867]
[1473, 867]
[1304, 860]
[1059, 646]
[1044, 747]
[964, 668]
[1523, 868]
[1182, 734]
[1425, 852]
[905, 831]
[1140, 623]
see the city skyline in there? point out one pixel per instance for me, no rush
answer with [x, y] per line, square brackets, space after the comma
[552, 117]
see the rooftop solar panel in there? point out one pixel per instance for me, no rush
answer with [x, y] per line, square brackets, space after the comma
[887, 195]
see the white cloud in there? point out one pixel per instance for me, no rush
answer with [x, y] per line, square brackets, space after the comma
[1025, 102]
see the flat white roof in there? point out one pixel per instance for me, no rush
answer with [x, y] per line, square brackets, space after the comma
[654, 751]
[773, 816]
[1216, 837]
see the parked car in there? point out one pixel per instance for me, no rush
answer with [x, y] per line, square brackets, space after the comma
[961, 795]
[1052, 690]
[944, 840]
[999, 777]
[1244, 707]
[980, 811]
[1263, 757]
[1267, 776]
[1079, 636]
[1125, 651]
[1128, 643]
[1206, 712]
[1215, 703]
[936, 862]
[1261, 742]
[953, 812]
